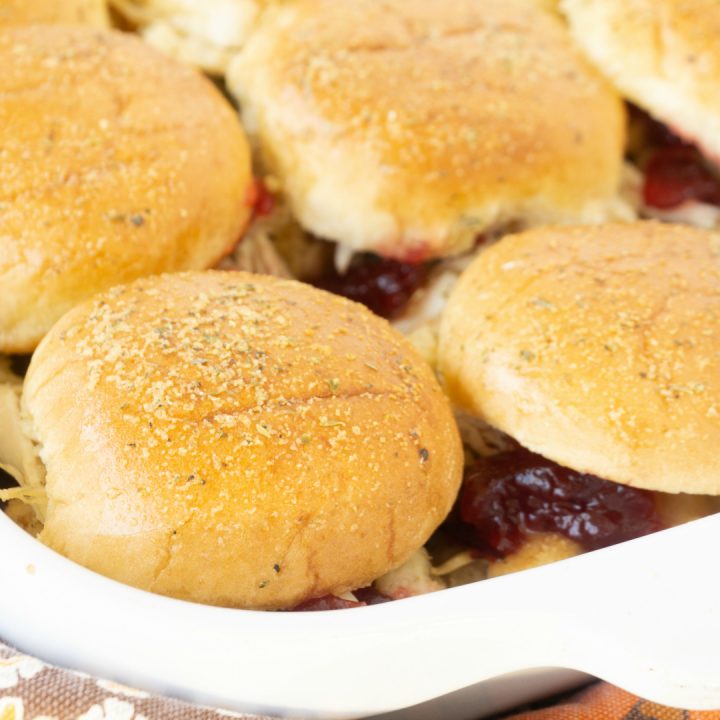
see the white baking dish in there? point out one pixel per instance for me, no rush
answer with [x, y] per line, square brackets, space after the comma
[644, 615]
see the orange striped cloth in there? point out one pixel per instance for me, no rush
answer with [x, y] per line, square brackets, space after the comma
[605, 702]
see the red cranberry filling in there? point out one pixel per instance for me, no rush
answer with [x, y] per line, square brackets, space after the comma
[261, 199]
[512, 495]
[677, 174]
[385, 286]
[675, 171]
[327, 602]
[365, 596]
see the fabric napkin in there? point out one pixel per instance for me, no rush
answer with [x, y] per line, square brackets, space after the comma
[33, 690]
[605, 702]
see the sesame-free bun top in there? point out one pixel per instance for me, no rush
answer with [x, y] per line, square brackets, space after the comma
[238, 440]
[116, 162]
[664, 55]
[596, 347]
[409, 127]
[65, 12]
[206, 34]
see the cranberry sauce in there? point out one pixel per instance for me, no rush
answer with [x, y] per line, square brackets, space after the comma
[261, 199]
[384, 286]
[365, 596]
[327, 602]
[675, 170]
[674, 175]
[512, 495]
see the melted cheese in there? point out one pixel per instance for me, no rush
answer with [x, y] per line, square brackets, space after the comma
[18, 454]
[413, 577]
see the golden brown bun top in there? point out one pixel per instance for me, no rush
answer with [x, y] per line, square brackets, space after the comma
[64, 12]
[115, 162]
[664, 55]
[598, 348]
[238, 440]
[455, 115]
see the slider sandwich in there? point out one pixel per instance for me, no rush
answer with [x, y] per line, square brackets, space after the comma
[664, 57]
[405, 132]
[231, 439]
[593, 350]
[116, 163]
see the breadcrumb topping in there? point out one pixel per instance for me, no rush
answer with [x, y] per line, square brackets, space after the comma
[247, 409]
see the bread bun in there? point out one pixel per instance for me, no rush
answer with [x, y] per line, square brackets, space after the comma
[662, 54]
[597, 348]
[115, 163]
[408, 128]
[207, 34]
[64, 12]
[238, 440]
